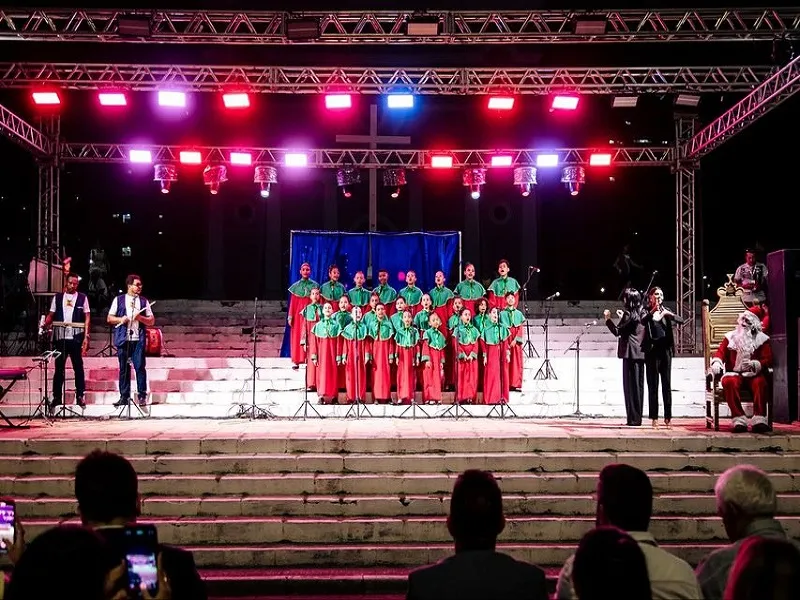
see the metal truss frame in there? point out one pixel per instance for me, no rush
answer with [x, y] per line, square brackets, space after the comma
[685, 214]
[382, 80]
[48, 238]
[656, 156]
[383, 27]
[23, 133]
[778, 88]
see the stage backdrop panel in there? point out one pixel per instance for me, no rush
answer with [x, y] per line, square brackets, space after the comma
[425, 253]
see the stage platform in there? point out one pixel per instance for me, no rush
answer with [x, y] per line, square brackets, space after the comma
[326, 507]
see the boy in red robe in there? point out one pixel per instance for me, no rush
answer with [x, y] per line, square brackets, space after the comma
[411, 293]
[465, 340]
[422, 318]
[387, 294]
[468, 289]
[355, 355]
[502, 286]
[513, 318]
[325, 351]
[496, 360]
[407, 355]
[434, 343]
[300, 297]
[359, 295]
[343, 318]
[310, 315]
[441, 297]
[381, 331]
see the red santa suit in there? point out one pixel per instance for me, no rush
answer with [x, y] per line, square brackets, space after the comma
[743, 358]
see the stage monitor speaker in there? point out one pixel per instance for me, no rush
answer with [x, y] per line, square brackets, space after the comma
[783, 279]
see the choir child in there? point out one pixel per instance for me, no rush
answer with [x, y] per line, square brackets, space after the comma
[469, 290]
[434, 343]
[311, 314]
[441, 296]
[332, 290]
[343, 316]
[465, 340]
[411, 293]
[480, 316]
[399, 309]
[359, 295]
[386, 292]
[325, 348]
[407, 354]
[355, 356]
[455, 315]
[513, 318]
[421, 319]
[299, 298]
[496, 360]
[369, 311]
[502, 286]
[381, 332]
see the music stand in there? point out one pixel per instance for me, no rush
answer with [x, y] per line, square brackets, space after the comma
[357, 409]
[108, 349]
[42, 409]
[546, 371]
[576, 348]
[253, 410]
[528, 349]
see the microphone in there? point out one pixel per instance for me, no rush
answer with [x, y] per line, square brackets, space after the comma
[590, 324]
[534, 269]
[553, 296]
[655, 273]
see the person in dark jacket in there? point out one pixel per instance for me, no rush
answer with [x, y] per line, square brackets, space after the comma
[659, 350]
[630, 330]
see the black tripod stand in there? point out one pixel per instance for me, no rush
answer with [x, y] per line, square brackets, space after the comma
[62, 410]
[43, 409]
[125, 409]
[503, 410]
[528, 349]
[108, 348]
[576, 348]
[546, 371]
[253, 410]
[357, 409]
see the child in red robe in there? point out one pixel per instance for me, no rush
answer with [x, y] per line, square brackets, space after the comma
[468, 289]
[407, 353]
[502, 286]
[513, 318]
[496, 359]
[325, 349]
[355, 356]
[343, 318]
[434, 343]
[300, 297]
[411, 293]
[465, 340]
[441, 297]
[310, 315]
[381, 333]
[450, 324]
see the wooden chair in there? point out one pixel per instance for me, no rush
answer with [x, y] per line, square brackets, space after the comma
[716, 323]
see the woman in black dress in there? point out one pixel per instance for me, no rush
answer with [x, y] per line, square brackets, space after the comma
[659, 350]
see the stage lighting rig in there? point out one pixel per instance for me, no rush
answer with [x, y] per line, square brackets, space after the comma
[264, 177]
[394, 178]
[165, 174]
[474, 180]
[573, 177]
[213, 176]
[525, 179]
[346, 178]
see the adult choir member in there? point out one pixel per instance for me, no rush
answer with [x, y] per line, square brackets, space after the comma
[468, 289]
[513, 318]
[299, 298]
[465, 341]
[387, 293]
[381, 331]
[359, 295]
[355, 356]
[407, 353]
[502, 286]
[434, 343]
[325, 348]
[441, 297]
[659, 350]
[332, 289]
[411, 293]
[630, 348]
[496, 359]
[310, 315]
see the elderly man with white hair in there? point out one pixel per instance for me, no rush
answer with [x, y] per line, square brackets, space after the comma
[742, 359]
[746, 502]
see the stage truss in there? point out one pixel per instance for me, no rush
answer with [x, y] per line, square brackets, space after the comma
[391, 27]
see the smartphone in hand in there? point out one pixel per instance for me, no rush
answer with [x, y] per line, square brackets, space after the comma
[140, 547]
[8, 521]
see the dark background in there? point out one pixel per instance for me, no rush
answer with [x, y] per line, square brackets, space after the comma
[236, 245]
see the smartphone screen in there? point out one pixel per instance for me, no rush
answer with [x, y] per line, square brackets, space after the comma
[141, 550]
[8, 516]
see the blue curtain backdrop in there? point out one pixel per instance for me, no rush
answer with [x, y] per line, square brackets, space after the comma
[425, 253]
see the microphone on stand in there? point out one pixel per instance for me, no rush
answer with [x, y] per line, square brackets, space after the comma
[534, 269]
[553, 296]
[590, 324]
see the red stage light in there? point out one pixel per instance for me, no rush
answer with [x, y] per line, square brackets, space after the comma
[441, 161]
[600, 160]
[190, 157]
[46, 98]
[501, 102]
[241, 158]
[564, 103]
[337, 101]
[502, 160]
[112, 99]
[237, 100]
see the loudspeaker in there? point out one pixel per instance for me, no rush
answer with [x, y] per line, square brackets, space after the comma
[783, 278]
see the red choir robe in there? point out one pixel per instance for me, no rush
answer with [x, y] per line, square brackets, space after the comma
[407, 357]
[470, 292]
[497, 357]
[311, 314]
[413, 298]
[299, 298]
[498, 290]
[326, 349]
[355, 354]
[451, 364]
[434, 343]
[343, 318]
[383, 351]
[442, 299]
[514, 320]
[480, 320]
[465, 340]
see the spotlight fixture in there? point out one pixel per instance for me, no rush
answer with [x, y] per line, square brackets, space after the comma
[213, 176]
[165, 174]
[46, 98]
[264, 177]
[562, 102]
[525, 178]
[474, 179]
[140, 156]
[112, 99]
[394, 178]
[347, 177]
[573, 178]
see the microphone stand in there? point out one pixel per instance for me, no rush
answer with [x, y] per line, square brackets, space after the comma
[253, 411]
[126, 408]
[501, 409]
[43, 409]
[576, 348]
[528, 349]
[546, 371]
[62, 410]
[306, 406]
[358, 409]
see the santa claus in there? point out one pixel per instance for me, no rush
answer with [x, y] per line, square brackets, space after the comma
[742, 360]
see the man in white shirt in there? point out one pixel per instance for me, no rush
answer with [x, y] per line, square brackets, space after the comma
[70, 310]
[625, 500]
[752, 276]
[130, 314]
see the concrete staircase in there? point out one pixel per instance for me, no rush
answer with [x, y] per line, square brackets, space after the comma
[349, 507]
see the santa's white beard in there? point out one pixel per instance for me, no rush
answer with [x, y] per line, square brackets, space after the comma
[744, 343]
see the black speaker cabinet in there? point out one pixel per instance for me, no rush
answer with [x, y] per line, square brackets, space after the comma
[783, 279]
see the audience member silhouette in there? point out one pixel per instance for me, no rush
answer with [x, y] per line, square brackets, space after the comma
[765, 569]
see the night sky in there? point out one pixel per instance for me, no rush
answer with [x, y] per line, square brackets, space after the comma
[745, 187]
